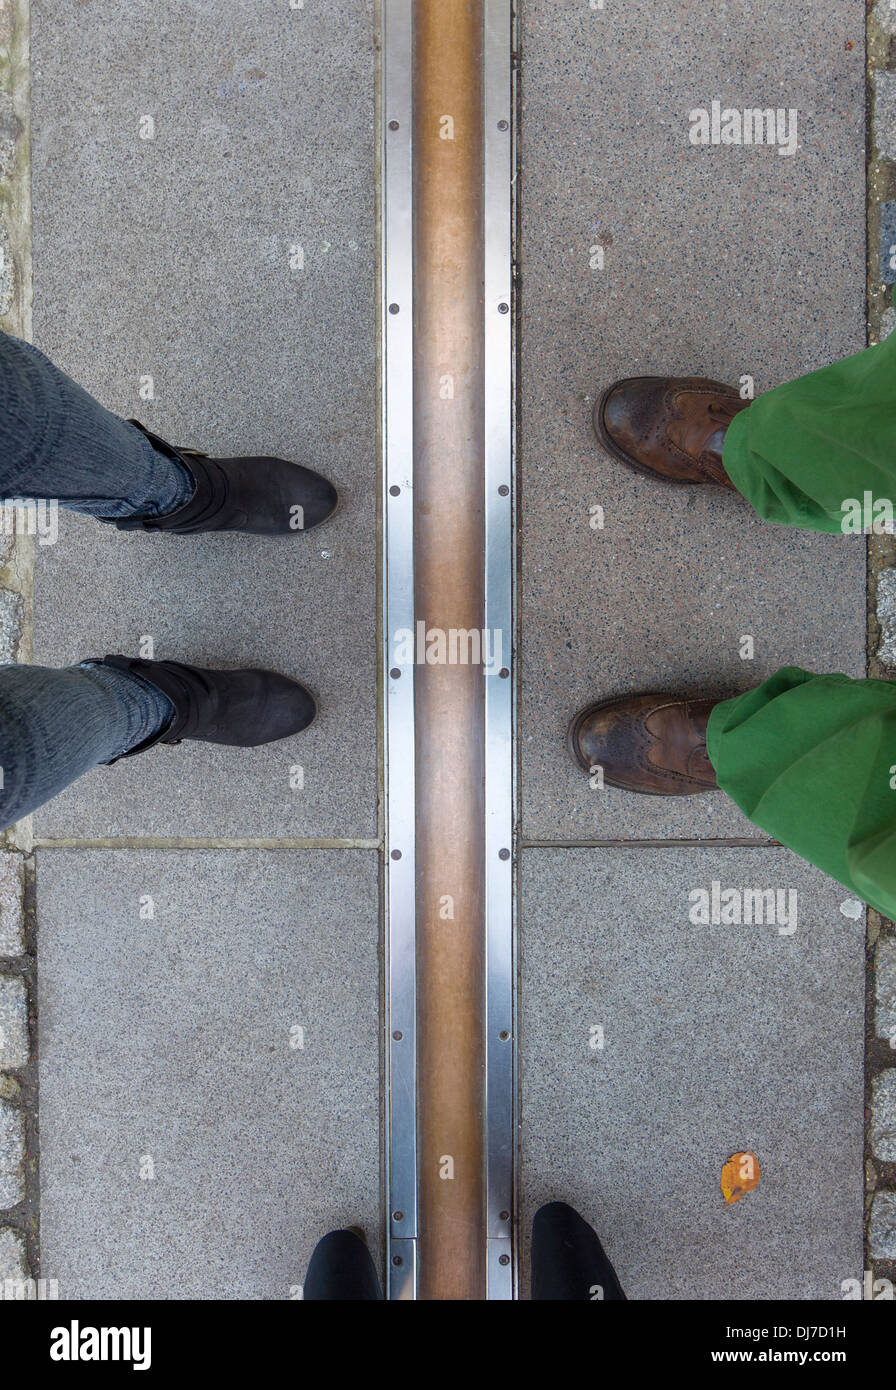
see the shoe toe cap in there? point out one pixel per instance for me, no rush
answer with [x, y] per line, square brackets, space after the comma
[309, 497]
[627, 412]
[288, 707]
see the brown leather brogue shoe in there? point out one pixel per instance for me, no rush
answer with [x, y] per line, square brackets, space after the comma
[655, 744]
[670, 427]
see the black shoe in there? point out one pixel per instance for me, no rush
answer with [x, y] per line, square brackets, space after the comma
[342, 1270]
[264, 496]
[242, 708]
[569, 1264]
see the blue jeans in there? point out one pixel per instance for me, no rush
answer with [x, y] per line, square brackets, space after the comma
[57, 725]
[57, 442]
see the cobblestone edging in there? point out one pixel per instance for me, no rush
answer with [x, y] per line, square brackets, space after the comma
[19, 1258]
[880, 1148]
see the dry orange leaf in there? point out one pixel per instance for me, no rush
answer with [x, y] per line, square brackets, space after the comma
[739, 1176]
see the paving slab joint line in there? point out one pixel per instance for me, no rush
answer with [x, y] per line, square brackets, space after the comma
[186, 842]
[880, 1176]
[742, 842]
[16, 557]
[18, 1086]
[880, 314]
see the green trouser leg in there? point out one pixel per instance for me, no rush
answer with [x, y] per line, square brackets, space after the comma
[798, 452]
[811, 760]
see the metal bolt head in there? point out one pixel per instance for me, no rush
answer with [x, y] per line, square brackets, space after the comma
[395, 673]
[398, 1036]
[393, 125]
[503, 125]
[398, 1216]
[396, 854]
[505, 1215]
[394, 490]
[503, 490]
[393, 308]
[503, 853]
[503, 308]
[503, 1259]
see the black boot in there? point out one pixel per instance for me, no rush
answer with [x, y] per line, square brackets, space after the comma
[265, 496]
[242, 708]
